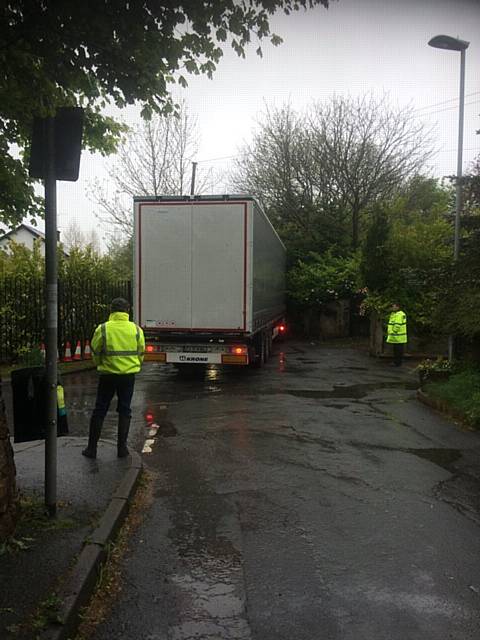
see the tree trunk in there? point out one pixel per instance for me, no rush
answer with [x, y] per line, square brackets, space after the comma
[8, 492]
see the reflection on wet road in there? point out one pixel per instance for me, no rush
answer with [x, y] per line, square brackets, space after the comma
[313, 499]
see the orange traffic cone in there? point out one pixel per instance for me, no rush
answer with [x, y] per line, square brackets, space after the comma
[68, 353]
[87, 352]
[43, 353]
[78, 351]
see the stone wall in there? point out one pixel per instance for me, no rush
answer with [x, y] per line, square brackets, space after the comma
[8, 493]
[331, 321]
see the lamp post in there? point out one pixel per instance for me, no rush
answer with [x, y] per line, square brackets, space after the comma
[455, 44]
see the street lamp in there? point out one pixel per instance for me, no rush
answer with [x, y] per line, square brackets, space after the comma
[455, 44]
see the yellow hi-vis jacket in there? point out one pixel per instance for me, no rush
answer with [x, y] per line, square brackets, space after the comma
[118, 345]
[397, 328]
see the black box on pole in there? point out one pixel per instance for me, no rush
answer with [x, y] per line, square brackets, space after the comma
[68, 144]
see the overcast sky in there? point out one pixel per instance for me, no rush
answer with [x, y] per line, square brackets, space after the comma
[353, 48]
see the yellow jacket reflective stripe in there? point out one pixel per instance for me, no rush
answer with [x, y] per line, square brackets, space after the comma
[397, 328]
[118, 345]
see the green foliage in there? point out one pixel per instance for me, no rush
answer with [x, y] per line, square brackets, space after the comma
[120, 254]
[324, 278]
[462, 392]
[375, 265]
[407, 250]
[21, 261]
[30, 357]
[87, 283]
[459, 299]
[84, 263]
[428, 367]
[377, 302]
[91, 54]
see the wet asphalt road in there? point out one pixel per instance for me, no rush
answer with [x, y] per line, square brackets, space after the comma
[315, 499]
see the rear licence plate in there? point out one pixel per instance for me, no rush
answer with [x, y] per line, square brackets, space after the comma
[193, 358]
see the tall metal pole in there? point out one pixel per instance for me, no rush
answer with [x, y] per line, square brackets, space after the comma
[459, 188]
[51, 320]
[194, 171]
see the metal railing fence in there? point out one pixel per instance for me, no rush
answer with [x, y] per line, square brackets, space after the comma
[82, 304]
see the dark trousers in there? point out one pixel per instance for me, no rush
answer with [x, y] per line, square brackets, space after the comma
[110, 384]
[397, 354]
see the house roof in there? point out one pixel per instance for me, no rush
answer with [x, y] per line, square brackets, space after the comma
[32, 230]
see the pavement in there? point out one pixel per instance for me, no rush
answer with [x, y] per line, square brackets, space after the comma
[52, 565]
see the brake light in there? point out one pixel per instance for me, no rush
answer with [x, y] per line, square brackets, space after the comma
[149, 417]
[150, 348]
[239, 350]
[282, 328]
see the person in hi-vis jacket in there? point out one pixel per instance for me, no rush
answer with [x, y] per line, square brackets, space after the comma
[397, 333]
[117, 348]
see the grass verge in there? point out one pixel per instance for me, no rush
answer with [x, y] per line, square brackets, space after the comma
[461, 392]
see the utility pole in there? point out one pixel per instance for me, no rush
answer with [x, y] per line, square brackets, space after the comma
[455, 44]
[51, 320]
[54, 155]
[194, 171]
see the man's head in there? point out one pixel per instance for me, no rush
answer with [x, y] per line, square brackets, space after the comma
[395, 306]
[120, 304]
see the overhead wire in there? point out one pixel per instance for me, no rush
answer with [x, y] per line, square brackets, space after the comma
[431, 113]
[416, 111]
[438, 104]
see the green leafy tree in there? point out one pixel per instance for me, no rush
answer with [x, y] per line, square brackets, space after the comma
[457, 309]
[93, 53]
[325, 278]
[87, 279]
[21, 262]
[120, 254]
[375, 263]
[408, 246]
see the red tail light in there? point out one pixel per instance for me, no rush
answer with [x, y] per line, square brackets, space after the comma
[239, 350]
[282, 328]
[149, 417]
[150, 348]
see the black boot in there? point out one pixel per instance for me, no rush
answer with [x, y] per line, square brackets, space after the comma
[123, 427]
[96, 424]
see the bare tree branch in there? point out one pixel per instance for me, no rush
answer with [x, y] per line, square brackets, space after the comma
[153, 159]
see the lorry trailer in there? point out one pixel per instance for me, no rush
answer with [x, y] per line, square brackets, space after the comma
[209, 279]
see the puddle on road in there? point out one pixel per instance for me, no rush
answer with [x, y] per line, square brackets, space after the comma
[355, 391]
[330, 405]
[340, 391]
[441, 457]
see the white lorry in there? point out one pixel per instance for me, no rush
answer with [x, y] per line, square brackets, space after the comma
[209, 279]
